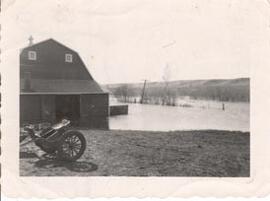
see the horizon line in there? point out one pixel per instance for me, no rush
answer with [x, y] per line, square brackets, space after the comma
[149, 81]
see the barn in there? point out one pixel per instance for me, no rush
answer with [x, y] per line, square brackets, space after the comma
[55, 84]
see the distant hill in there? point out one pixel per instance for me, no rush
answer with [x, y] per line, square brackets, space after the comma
[214, 89]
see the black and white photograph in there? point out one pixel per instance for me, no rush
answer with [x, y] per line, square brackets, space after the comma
[137, 98]
[136, 88]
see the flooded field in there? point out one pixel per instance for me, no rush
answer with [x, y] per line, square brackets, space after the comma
[193, 115]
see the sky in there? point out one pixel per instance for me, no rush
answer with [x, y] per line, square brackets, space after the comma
[129, 41]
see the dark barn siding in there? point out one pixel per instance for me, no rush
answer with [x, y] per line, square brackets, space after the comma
[95, 110]
[37, 108]
[30, 108]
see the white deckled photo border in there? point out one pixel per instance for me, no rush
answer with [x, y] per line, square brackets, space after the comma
[16, 186]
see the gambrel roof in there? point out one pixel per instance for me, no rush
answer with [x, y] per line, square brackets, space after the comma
[49, 72]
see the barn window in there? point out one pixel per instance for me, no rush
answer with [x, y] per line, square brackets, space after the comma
[32, 55]
[68, 58]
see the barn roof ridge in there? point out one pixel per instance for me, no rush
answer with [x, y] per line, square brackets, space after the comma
[55, 41]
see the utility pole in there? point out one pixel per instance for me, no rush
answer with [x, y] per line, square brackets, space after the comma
[143, 91]
[223, 106]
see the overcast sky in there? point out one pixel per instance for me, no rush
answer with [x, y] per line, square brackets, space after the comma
[127, 41]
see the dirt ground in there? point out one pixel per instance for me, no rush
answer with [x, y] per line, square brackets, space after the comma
[143, 153]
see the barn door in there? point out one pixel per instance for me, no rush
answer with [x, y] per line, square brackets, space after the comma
[67, 106]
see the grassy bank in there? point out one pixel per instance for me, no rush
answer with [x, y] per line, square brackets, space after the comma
[143, 153]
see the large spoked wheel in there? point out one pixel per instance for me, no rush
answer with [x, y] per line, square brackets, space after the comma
[72, 146]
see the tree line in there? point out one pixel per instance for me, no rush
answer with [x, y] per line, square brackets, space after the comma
[167, 95]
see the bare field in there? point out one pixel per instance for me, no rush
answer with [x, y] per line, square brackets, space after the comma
[145, 153]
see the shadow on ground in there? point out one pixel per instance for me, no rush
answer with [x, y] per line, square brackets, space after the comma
[76, 166]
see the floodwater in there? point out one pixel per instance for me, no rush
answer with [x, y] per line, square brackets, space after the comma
[199, 115]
